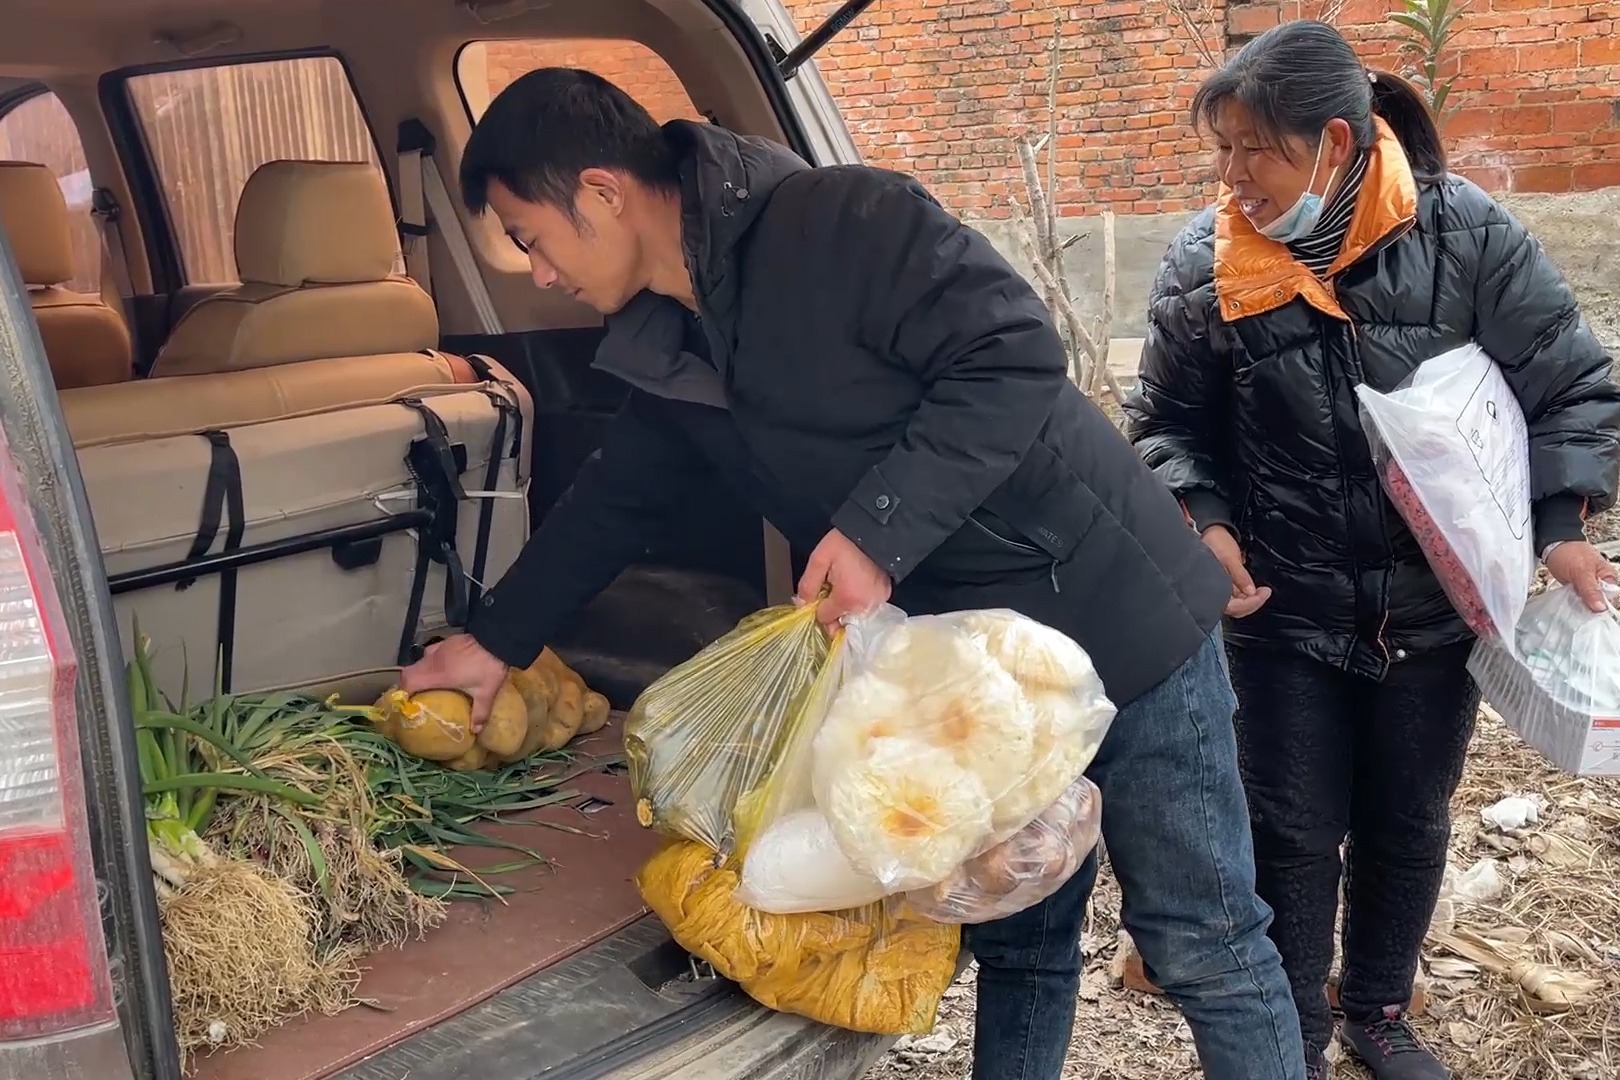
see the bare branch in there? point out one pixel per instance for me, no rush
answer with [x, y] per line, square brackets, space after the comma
[1200, 23]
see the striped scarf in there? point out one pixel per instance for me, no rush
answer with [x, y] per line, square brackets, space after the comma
[1317, 251]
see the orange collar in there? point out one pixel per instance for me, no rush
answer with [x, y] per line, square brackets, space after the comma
[1255, 274]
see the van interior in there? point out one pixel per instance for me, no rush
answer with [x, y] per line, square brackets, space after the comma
[318, 409]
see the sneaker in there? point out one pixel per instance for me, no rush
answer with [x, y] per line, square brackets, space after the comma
[1318, 1069]
[1388, 1046]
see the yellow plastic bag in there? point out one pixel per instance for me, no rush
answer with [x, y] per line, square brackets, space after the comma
[870, 969]
[714, 729]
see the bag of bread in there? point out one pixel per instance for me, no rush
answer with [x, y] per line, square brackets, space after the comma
[948, 735]
[1022, 870]
[928, 742]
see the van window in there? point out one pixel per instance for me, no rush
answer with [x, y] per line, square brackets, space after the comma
[40, 130]
[207, 129]
[485, 68]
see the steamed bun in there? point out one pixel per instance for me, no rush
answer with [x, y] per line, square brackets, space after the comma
[1069, 730]
[907, 814]
[927, 654]
[866, 707]
[1037, 656]
[989, 728]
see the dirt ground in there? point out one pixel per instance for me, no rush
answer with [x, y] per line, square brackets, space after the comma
[1477, 1021]
[1578, 232]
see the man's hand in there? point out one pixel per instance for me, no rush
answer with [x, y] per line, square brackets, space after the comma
[458, 663]
[1583, 568]
[858, 585]
[1246, 597]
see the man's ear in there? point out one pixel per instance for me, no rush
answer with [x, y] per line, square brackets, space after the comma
[604, 187]
[1341, 143]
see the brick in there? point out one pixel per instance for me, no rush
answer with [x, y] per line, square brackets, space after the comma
[940, 90]
[1545, 178]
[1251, 19]
[1596, 174]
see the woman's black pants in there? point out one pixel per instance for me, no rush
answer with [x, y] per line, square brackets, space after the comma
[1328, 756]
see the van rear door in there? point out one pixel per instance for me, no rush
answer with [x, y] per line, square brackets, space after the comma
[812, 101]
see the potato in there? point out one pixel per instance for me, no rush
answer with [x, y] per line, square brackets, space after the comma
[566, 716]
[508, 723]
[473, 760]
[435, 725]
[539, 691]
[596, 713]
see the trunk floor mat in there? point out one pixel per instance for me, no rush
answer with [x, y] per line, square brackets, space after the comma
[483, 946]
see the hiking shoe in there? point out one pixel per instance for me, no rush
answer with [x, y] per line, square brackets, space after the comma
[1387, 1045]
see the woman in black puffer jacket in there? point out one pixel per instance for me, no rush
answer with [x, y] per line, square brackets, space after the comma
[1341, 252]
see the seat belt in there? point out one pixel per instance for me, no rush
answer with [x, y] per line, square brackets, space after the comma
[105, 209]
[424, 201]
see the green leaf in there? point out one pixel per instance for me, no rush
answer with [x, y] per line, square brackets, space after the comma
[188, 782]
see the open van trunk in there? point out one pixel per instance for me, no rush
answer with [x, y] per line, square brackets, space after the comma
[328, 493]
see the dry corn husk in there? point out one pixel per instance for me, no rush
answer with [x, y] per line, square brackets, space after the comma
[1544, 988]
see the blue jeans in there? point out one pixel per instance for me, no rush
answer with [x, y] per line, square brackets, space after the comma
[1176, 828]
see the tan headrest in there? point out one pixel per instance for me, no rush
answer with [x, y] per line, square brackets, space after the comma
[35, 216]
[315, 222]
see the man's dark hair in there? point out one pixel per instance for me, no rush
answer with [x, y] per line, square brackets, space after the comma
[552, 124]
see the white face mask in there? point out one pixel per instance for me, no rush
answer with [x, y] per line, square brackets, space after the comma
[1299, 220]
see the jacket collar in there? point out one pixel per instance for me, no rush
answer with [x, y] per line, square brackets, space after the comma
[726, 181]
[1255, 274]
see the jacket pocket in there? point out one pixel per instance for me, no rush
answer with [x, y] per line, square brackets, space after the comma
[1043, 506]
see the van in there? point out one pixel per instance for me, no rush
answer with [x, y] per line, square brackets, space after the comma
[272, 394]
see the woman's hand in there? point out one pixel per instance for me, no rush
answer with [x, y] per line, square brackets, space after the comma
[1583, 568]
[1247, 598]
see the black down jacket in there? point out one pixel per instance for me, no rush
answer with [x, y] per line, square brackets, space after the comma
[868, 363]
[1247, 409]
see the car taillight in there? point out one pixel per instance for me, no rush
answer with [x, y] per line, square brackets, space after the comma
[53, 959]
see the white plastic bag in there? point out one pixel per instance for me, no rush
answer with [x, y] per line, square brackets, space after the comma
[949, 734]
[796, 866]
[1454, 459]
[1022, 870]
[1561, 692]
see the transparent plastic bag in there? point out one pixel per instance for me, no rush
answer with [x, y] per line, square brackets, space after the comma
[714, 728]
[1453, 456]
[1022, 870]
[947, 734]
[1560, 687]
[872, 969]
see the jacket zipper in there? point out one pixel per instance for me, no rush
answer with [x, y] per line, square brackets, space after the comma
[1018, 545]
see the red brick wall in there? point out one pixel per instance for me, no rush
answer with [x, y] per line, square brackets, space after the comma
[632, 65]
[942, 89]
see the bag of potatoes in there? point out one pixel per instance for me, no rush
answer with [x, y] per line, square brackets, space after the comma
[538, 709]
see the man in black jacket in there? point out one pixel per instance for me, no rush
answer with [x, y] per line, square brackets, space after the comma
[878, 383]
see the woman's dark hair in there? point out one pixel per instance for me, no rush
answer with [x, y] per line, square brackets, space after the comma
[1294, 78]
[552, 124]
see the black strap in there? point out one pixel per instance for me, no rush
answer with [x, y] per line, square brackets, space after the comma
[492, 476]
[432, 464]
[222, 498]
[481, 367]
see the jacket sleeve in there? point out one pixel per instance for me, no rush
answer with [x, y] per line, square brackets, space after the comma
[615, 508]
[1526, 317]
[933, 295]
[1177, 415]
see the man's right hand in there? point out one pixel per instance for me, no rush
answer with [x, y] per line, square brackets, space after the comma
[458, 663]
[1247, 598]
